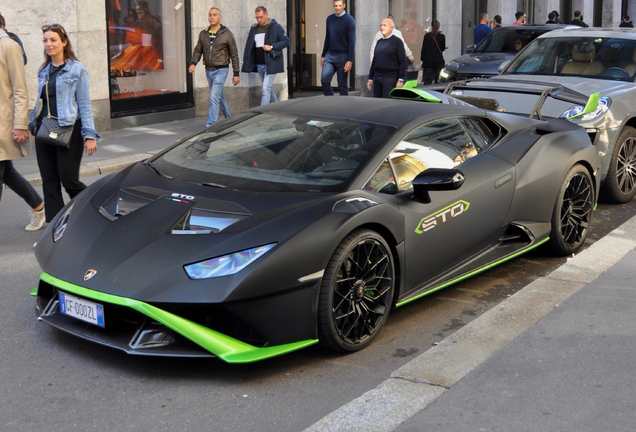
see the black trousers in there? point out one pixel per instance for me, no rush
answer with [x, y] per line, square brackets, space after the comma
[431, 74]
[383, 83]
[18, 184]
[60, 166]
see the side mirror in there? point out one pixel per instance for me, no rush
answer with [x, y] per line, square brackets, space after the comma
[436, 179]
[469, 49]
[502, 66]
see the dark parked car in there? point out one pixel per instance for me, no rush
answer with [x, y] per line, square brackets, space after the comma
[498, 47]
[307, 221]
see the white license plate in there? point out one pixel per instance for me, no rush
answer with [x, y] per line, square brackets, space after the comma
[81, 309]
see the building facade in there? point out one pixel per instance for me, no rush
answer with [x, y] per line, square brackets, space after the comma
[137, 51]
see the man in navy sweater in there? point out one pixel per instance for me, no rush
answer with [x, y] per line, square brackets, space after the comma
[337, 53]
[482, 29]
[388, 67]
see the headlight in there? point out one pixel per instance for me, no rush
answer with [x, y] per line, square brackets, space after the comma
[60, 225]
[226, 265]
[602, 107]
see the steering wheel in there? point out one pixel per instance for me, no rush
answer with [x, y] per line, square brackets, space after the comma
[615, 72]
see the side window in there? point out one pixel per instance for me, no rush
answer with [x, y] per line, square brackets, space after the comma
[438, 144]
[483, 135]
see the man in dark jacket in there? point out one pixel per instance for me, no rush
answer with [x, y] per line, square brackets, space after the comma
[625, 22]
[578, 20]
[264, 52]
[217, 46]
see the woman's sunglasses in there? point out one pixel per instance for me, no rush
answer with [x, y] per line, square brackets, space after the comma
[53, 27]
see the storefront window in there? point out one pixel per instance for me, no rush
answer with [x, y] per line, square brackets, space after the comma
[147, 50]
[413, 18]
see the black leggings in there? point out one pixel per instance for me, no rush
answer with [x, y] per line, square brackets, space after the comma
[60, 166]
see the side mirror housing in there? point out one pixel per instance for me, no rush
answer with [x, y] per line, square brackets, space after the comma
[436, 179]
[469, 49]
[502, 66]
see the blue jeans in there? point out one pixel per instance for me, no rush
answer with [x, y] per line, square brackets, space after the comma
[268, 91]
[334, 63]
[18, 184]
[216, 81]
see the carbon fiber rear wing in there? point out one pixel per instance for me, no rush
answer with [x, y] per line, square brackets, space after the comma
[555, 91]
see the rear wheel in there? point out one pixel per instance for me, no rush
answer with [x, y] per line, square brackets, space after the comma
[572, 212]
[620, 184]
[357, 291]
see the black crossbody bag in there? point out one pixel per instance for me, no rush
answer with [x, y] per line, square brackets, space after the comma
[50, 131]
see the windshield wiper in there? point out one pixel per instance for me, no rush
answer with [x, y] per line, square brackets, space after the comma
[216, 185]
[155, 169]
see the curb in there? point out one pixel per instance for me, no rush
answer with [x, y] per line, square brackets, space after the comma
[420, 382]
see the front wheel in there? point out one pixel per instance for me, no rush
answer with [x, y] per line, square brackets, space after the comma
[620, 184]
[572, 212]
[357, 291]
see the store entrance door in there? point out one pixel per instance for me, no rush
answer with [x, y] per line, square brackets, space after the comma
[306, 25]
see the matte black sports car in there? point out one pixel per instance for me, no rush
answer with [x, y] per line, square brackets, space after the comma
[306, 221]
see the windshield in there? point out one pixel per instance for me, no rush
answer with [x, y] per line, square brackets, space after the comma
[508, 40]
[276, 152]
[589, 57]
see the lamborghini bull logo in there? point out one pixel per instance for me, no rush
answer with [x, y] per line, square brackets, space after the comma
[445, 214]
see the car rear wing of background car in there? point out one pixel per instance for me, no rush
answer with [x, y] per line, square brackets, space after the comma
[554, 91]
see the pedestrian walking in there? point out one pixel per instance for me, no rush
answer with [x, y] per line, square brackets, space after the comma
[433, 47]
[626, 22]
[3, 26]
[388, 69]
[578, 19]
[217, 46]
[264, 52]
[520, 18]
[413, 35]
[13, 132]
[551, 18]
[62, 83]
[481, 30]
[398, 34]
[338, 49]
[497, 22]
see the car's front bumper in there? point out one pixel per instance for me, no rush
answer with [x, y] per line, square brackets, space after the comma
[127, 319]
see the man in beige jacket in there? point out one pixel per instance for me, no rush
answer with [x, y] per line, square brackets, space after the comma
[13, 127]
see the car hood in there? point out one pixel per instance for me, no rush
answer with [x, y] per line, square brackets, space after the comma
[482, 63]
[139, 255]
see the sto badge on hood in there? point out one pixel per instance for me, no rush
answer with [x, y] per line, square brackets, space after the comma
[89, 274]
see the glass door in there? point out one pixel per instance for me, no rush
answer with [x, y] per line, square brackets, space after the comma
[306, 26]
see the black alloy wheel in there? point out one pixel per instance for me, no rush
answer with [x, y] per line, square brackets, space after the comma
[620, 184]
[572, 213]
[357, 291]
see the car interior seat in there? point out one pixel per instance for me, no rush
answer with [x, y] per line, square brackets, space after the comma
[631, 68]
[583, 56]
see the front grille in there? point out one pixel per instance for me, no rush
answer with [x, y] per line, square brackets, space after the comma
[122, 323]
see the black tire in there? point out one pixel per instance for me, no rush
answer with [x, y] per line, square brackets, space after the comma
[357, 292]
[572, 212]
[620, 184]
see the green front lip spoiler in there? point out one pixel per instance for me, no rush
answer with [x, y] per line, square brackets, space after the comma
[224, 347]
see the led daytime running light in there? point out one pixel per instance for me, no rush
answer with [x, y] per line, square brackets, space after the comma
[226, 265]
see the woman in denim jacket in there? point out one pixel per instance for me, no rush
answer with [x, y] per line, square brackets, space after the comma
[70, 102]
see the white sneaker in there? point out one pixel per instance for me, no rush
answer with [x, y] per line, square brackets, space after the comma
[37, 220]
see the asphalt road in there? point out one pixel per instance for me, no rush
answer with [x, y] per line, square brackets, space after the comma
[53, 381]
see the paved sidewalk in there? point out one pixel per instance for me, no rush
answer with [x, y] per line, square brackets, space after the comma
[556, 356]
[120, 148]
